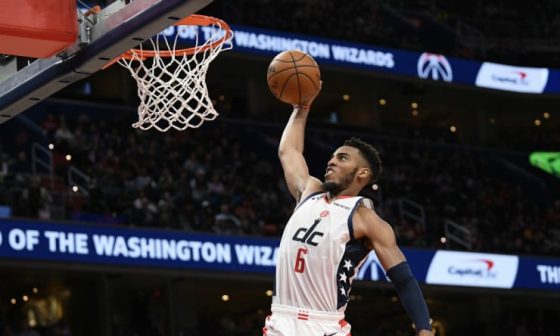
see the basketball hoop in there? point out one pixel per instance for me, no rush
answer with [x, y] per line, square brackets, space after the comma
[173, 92]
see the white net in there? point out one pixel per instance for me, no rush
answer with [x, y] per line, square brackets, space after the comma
[172, 85]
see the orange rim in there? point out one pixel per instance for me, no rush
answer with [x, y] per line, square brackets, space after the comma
[192, 20]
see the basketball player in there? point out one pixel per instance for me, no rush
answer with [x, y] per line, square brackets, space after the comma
[329, 235]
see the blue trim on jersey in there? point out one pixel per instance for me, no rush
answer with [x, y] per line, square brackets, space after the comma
[305, 200]
[350, 224]
[354, 253]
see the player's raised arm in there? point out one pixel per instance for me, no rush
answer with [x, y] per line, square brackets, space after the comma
[290, 152]
[382, 237]
[294, 78]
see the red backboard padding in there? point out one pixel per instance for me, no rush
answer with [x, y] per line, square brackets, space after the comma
[37, 28]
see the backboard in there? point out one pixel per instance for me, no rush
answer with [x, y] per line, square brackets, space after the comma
[102, 36]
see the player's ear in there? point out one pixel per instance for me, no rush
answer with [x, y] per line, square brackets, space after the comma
[364, 173]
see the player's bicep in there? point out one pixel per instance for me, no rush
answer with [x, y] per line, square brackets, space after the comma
[296, 173]
[384, 242]
[387, 250]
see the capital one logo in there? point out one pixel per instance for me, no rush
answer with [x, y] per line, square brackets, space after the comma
[514, 77]
[472, 269]
[435, 67]
[481, 268]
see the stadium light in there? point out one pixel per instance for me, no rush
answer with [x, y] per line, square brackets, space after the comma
[538, 122]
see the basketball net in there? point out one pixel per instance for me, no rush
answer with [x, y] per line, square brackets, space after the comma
[172, 82]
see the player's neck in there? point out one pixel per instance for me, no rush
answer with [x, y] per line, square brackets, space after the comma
[329, 196]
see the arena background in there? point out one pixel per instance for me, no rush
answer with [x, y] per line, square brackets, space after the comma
[457, 177]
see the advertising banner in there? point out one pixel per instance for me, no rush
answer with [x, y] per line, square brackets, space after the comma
[91, 244]
[428, 66]
[512, 78]
[134, 247]
[472, 269]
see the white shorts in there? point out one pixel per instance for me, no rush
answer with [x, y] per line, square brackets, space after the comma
[290, 321]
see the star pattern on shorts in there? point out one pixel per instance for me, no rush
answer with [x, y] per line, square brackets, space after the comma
[347, 264]
[343, 277]
[343, 291]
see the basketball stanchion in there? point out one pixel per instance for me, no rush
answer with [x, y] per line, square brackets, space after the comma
[172, 82]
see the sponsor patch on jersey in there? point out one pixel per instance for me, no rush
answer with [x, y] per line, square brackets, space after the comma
[342, 206]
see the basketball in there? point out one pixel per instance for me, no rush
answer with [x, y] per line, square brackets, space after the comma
[293, 76]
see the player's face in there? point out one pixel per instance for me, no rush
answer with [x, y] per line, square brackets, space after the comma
[341, 169]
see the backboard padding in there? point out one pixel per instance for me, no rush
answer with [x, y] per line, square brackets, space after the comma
[110, 36]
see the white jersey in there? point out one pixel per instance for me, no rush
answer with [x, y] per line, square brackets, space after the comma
[318, 255]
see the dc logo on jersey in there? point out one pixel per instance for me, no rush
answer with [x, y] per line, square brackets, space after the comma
[309, 235]
[324, 213]
[435, 67]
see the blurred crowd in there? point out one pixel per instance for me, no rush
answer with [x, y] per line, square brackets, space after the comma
[225, 178]
[501, 213]
[206, 181]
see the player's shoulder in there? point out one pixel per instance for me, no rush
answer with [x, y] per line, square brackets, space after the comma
[365, 211]
[364, 202]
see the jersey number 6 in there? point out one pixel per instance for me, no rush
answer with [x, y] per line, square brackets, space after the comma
[300, 261]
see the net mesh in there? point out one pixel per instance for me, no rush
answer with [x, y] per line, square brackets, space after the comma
[172, 87]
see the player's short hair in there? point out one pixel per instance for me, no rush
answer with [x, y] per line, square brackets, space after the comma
[370, 154]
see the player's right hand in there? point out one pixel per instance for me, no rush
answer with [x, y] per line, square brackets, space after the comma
[306, 101]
